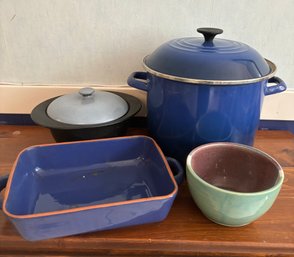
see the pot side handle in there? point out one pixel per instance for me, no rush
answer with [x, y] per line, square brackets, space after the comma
[136, 80]
[278, 88]
[3, 182]
[176, 169]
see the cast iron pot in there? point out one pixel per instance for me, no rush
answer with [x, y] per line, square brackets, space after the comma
[86, 114]
[202, 90]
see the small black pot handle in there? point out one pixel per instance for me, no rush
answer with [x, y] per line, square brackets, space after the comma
[176, 169]
[3, 182]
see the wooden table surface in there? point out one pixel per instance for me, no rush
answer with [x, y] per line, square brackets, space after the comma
[184, 232]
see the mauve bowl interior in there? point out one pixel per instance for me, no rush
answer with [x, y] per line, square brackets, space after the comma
[235, 167]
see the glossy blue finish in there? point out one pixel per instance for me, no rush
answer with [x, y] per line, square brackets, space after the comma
[177, 169]
[52, 226]
[182, 116]
[279, 86]
[66, 189]
[220, 60]
[137, 80]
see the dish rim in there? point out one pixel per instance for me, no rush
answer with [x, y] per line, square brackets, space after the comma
[89, 207]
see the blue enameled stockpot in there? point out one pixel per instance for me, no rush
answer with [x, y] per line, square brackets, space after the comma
[202, 90]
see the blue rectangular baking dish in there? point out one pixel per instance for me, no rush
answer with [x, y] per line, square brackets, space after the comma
[71, 188]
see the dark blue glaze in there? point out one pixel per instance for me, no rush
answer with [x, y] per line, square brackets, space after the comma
[279, 86]
[182, 116]
[87, 175]
[220, 60]
[202, 90]
[177, 169]
[97, 219]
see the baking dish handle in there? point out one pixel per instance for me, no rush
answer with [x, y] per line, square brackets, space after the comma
[138, 80]
[279, 87]
[3, 182]
[176, 169]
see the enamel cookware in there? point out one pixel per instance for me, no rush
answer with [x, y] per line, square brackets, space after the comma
[70, 188]
[87, 114]
[204, 89]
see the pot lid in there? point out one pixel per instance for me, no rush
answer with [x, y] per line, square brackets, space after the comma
[87, 107]
[208, 60]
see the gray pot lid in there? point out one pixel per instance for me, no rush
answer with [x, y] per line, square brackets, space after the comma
[87, 107]
[208, 60]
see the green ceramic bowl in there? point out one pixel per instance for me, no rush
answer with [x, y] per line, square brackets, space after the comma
[233, 184]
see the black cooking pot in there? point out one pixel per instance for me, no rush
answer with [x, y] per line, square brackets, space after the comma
[87, 114]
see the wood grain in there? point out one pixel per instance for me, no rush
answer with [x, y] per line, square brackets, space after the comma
[184, 232]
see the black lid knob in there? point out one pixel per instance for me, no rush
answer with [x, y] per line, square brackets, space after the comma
[209, 33]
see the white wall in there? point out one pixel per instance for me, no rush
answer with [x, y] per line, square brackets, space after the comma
[50, 47]
[102, 41]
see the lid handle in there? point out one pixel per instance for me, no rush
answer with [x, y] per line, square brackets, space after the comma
[86, 91]
[209, 34]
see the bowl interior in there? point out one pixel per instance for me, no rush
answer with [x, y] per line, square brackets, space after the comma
[90, 173]
[235, 167]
